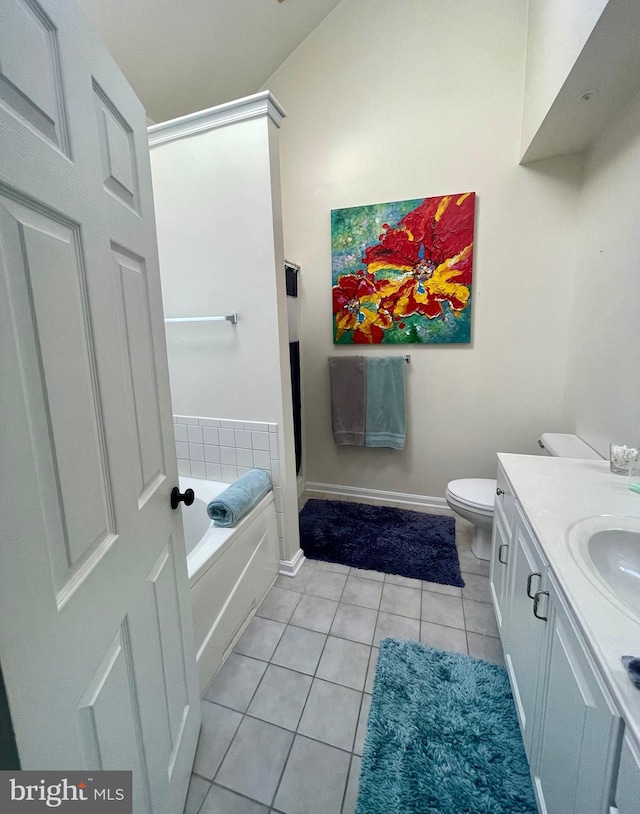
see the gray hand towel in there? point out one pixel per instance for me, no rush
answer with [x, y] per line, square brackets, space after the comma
[348, 398]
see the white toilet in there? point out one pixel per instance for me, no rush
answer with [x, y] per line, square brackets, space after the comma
[473, 498]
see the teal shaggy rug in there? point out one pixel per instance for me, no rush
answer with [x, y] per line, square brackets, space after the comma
[443, 737]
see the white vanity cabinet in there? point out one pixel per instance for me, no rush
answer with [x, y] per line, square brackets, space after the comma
[524, 642]
[500, 554]
[570, 726]
[627, 795]
[500, 551]
[577, 725]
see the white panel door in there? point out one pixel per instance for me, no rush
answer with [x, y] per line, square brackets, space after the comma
[96, 642]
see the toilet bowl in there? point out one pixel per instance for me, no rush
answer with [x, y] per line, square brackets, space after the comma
[473, 498]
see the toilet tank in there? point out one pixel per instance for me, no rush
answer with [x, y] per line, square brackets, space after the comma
[566, 445]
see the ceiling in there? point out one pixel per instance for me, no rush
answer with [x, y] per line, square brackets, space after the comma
[186, 55]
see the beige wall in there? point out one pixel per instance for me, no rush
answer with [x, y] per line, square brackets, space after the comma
[391, 101]
[603, 383]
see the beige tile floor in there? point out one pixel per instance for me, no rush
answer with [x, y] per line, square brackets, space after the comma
[284, 720]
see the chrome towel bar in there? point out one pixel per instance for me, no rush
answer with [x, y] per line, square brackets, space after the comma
[233, 318]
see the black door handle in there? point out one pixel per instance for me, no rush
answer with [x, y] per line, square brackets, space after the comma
[536, 599]
[188, 496]
[529, 578]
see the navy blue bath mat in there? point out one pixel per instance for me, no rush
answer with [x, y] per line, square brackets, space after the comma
[396, 541]
[443, 737]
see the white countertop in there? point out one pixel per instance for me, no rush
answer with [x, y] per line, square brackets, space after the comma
[554, 493]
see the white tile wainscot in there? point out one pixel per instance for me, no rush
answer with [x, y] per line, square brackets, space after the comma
[563, 637]
[222, 449]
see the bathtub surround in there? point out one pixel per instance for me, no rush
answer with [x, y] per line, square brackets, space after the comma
[222, 449]
[216, 181]
[382, 538]
[443, 736]
[230, 570]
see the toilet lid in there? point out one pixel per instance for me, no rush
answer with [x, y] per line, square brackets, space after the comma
[477, 492]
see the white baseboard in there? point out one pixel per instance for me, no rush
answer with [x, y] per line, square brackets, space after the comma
[428, 501]
[291, 567]
[301, 485]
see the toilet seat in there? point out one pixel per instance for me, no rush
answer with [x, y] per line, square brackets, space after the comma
[478, 494]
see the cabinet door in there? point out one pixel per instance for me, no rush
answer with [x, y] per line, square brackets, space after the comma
[500, 544]
[526, 631]
[505, 499]
[628, 788]
[579, 728]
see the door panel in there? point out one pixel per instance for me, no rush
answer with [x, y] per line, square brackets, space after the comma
[52, 269]
[140, 365]
[117, 154]
[31, 87]
[110, 738]
[167, 608]
[96, 640]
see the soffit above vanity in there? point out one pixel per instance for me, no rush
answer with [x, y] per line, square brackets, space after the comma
[604, 77]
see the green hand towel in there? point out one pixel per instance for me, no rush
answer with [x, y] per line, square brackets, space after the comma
[386, 423]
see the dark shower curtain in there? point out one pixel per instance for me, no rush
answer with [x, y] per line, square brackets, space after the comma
[291, 271]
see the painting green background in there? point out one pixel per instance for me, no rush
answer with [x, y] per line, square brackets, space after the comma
[356, 228]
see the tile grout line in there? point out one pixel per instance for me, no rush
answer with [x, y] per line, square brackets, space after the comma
[419, 619]
[304, 706]
[279, 726]
[244, 715]
[210, 782]
[346, 785]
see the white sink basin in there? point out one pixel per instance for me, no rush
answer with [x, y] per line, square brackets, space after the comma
[607, 548]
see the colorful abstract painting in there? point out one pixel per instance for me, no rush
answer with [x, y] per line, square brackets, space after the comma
[402, 271]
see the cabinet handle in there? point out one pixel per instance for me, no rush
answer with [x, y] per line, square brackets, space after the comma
[536, 599]
[504, 562]
[529, 578]
[499, 491]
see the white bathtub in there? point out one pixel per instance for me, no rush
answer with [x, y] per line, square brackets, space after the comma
[230, 570]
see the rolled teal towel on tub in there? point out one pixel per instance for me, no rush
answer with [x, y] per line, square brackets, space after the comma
[241, 496]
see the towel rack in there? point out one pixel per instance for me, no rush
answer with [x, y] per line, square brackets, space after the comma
[233, 318]
[407, 359]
